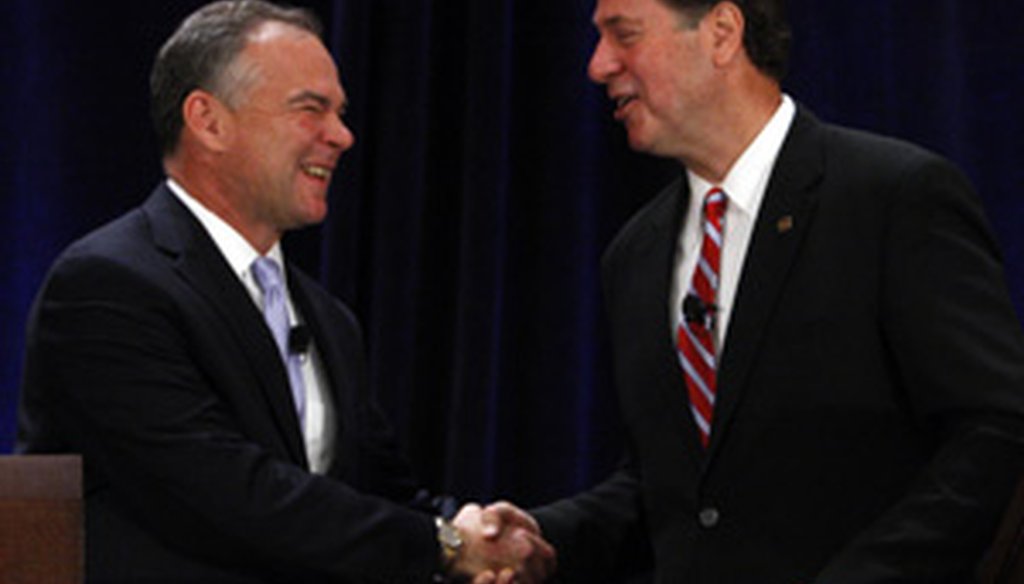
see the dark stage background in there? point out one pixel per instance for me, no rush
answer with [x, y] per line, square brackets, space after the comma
[468, 222]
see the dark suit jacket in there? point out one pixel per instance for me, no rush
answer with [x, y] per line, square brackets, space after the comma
[147, 356]
[871, 388]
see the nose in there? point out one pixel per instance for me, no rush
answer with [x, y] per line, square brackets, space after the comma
[603, 63]
[338, 134]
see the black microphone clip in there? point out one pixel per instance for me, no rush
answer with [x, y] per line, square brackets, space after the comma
[298, 340]
[696, 311]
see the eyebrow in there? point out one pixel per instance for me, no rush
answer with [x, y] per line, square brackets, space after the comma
[322, 100]
[617, 20]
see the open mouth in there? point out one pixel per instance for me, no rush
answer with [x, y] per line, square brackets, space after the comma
[621, 102]
[316, 171]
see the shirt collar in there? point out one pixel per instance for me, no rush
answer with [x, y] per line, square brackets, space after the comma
[235, 249]
[746, 181]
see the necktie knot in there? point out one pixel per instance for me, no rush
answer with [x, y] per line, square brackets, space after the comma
[715, 203]
[267, 274]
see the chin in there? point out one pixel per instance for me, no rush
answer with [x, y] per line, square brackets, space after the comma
[638, 138]
[640, 144]
[317, 217]
[311, 215]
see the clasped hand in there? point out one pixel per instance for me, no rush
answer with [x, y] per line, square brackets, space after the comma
[502, 544]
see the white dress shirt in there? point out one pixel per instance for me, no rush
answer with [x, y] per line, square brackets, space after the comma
[320, 423]
[744, 186]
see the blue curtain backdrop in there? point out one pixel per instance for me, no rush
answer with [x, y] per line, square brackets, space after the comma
[468, 221]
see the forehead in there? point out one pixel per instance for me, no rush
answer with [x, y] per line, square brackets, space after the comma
[290, 60]
[610, 13]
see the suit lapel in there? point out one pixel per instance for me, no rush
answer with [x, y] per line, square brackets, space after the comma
[653, 259]
[199, 263]
[313, 309]
[782, 223]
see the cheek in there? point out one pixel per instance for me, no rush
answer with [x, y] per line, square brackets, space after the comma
[299, 144]
[307, 125]
[658, 93]
[309, 129]
[652, 77]
[671, 91]
[666, 71]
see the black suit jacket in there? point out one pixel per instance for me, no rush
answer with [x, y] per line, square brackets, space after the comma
[871, 389]
[147, 356]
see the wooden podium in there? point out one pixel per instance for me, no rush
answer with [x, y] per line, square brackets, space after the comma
[41, 522]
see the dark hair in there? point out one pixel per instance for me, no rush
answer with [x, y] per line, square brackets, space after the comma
[766, 37]
[200, 54]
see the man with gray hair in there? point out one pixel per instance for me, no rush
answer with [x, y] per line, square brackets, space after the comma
[217, 395]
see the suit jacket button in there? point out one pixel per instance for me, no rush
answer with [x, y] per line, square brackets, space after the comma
[709, 517]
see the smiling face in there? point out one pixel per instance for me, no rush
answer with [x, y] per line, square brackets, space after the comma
[287, 132]
[657, 66]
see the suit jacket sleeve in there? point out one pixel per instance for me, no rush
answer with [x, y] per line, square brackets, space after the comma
[956, 345]
[110, 356]
[600, 534]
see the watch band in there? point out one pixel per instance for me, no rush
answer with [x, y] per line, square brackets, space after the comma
[450, 539]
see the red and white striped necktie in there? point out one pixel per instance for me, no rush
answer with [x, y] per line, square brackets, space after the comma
[695, 339]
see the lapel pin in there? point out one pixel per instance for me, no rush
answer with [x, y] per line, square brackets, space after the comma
[784, 224]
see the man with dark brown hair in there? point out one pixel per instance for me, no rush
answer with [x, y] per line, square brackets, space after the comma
[819, 368]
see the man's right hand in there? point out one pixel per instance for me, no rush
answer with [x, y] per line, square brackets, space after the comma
[501, 544]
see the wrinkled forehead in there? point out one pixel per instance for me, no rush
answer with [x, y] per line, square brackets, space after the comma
[611, 13]
[615, 13]
[283, 51]
[282, 66]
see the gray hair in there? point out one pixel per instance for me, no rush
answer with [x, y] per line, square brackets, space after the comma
[202, 53]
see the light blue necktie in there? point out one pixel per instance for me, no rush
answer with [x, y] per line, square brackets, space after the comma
[275, 310]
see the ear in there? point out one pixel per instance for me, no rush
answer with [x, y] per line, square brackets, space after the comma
[208, 120]
[726, 25]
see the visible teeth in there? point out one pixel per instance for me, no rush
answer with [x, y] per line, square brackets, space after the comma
[317, 171]
[622, 101]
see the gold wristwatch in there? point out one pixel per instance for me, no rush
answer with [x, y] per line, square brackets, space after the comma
[450, 539]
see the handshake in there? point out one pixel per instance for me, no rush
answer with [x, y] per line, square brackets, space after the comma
[499, 544]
